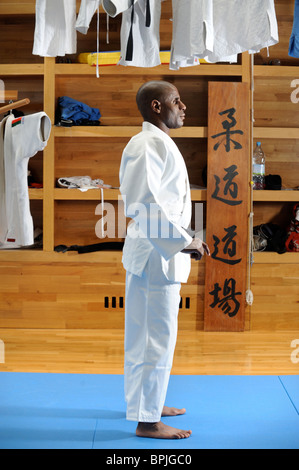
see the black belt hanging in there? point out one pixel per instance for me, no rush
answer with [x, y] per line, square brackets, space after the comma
[129, 51]
[104, 246]
[148, 14]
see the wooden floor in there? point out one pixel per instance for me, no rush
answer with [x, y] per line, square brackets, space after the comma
[101, 352]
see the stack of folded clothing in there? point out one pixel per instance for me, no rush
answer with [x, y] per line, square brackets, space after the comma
[71, 112]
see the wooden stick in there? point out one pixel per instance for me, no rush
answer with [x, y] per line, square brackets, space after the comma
[15, 105]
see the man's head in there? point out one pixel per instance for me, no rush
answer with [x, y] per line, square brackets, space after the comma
[159, 103]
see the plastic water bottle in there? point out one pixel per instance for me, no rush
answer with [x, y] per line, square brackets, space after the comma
[258, 167]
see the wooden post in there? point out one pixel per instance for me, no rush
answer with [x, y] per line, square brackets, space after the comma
[227, 206]
[48, 203]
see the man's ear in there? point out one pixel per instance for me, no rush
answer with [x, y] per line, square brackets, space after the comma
[156, 106]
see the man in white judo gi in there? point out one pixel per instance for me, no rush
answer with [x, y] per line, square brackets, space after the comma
[155, 188]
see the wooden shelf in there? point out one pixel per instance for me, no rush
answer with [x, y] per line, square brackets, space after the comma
[201, 69]
[21, 69]
[40, 256]
[27, 255]
[198, 195]
[36, 194]
[268, 257]
[60, 194]
[17, 8]
[276, 196]
[25, 8]
[280, 71]
[276, 132]
[123, 131]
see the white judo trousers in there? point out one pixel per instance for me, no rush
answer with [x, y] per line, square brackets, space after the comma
[152, 305]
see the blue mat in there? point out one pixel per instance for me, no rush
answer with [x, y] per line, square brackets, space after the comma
[70, 411]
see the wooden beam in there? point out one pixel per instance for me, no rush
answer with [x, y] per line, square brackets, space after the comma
[49, 160]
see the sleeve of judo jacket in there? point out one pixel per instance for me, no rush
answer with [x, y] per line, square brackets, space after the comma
[141, 178]
[115, 7]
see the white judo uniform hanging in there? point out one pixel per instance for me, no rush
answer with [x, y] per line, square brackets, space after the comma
[210, 29]
[55, 31]
[23, 138]
[3, 218]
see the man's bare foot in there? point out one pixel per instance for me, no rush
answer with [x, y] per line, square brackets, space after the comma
[171, 411]
[160, 431]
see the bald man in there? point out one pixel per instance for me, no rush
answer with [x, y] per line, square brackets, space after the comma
[155, 188]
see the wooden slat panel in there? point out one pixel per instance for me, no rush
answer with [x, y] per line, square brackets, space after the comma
[227, 212]
[276, 292]
[72, 295]
[273, 105]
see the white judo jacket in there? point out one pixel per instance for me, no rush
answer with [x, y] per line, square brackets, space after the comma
[156, 191]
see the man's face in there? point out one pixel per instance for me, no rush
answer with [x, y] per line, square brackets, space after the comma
[172, 111]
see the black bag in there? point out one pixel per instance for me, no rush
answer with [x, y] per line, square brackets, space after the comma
[273, 182]
[272, 237]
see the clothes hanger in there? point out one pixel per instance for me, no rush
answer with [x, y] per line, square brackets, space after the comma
[15, 105]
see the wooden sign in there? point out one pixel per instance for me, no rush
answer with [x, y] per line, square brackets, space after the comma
[227, 206]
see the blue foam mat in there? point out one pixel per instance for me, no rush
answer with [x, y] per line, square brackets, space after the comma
[291, 385]
[82, 411]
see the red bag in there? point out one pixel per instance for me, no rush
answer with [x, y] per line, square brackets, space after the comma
[292, 242]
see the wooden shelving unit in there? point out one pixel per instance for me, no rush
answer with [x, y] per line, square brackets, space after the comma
[50, 71]
[276, 125]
